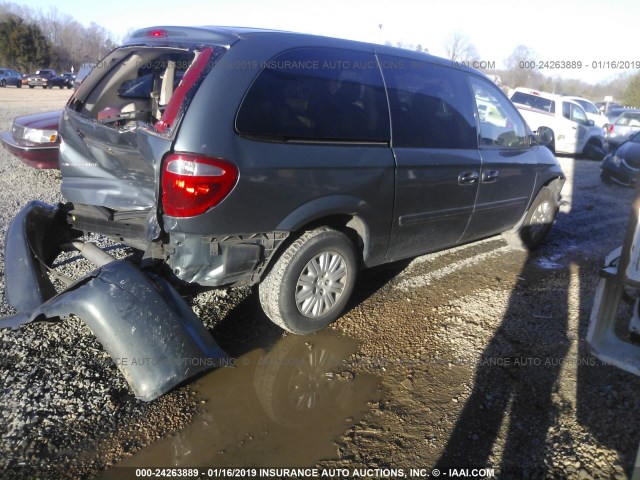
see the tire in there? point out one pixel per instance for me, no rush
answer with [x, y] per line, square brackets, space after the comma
[605, 176]
[594, 150]
[32, 86]
[537, 222]
[19, 85]
[299, 305]
[3, 83]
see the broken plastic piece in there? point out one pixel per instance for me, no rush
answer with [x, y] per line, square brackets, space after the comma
[146, 327]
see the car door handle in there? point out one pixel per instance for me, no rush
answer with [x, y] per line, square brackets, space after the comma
[468, 178]
[490, 176]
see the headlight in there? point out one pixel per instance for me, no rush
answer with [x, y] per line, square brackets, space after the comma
[40, 136]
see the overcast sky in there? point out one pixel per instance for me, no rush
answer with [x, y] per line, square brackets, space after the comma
[567, 30]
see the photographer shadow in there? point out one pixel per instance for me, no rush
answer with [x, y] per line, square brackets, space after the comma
[515, 381]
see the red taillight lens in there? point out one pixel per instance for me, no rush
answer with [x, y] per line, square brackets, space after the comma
[192, 184]
[611, 128]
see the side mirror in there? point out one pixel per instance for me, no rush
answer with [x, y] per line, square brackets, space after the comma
[590, 123]
[544, 136]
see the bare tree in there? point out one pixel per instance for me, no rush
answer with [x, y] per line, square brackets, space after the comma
[459, 48]
[71, 43]
[521, 71]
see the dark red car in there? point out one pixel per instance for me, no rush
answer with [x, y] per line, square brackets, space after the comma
[34, 139]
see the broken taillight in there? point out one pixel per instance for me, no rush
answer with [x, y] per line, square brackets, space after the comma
[192, 184]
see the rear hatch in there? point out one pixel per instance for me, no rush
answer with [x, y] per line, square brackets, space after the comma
[117, 128]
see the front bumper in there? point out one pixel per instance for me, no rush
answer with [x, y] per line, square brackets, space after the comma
[150, 332]
[620, 174]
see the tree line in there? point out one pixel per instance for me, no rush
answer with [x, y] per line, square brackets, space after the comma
[30, 40]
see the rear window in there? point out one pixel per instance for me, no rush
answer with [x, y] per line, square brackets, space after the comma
[319, 94]
[629, 120]
[143, 84]
[534, 101]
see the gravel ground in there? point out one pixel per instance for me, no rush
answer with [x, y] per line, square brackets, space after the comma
[474, 357]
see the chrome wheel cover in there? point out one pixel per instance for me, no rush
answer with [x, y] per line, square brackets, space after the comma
[541, 220]
[321, 284]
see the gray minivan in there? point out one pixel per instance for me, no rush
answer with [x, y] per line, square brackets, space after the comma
[234, 156]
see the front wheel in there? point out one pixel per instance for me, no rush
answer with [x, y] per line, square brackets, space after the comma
[537, 222]
[3, 83]
[594, 150]
[311, 282]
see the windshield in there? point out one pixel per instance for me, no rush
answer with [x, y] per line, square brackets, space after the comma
[588, 106]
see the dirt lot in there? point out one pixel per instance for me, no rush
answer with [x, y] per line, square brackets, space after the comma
[469, 358]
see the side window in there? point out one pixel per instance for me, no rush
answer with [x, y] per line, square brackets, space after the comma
[317, 94]
[500, 124]
[430, 105]
[574, 113]
[578, 114]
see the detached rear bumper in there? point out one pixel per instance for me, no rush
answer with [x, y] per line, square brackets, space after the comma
[146, 327]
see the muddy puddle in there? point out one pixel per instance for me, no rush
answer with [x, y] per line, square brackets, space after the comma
[281, 406]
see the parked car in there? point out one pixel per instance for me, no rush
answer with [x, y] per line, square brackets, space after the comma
[622, 127]
[63, 81]
[34, 139]
[41, 78]
[282, 160]
[9, 77]
[615, 112]
[599, 119]
[622, 166]
[573, 132]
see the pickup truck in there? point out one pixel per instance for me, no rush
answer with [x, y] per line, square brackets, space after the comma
[41, 78]
[573, 132]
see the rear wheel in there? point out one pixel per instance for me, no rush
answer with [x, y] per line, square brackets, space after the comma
[311, 282]
[537, 222]
[3, 83]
